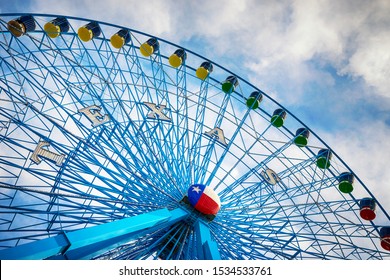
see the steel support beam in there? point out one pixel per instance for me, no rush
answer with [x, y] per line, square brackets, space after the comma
[87, 242]
[207, 248]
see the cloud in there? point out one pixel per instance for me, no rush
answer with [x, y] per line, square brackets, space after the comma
[352, 39]
[372, 62]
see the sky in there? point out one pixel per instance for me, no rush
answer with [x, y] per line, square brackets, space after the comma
[326, 61]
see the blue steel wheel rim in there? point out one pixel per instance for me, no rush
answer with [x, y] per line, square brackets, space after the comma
[125, 135]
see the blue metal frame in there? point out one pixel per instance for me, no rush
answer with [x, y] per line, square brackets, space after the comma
[85, 243]
[206, 247]
[133, 163]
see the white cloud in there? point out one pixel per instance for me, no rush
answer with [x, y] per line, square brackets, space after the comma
[372, 62]
[353, 39]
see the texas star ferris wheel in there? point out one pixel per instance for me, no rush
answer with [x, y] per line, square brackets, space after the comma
[115, 144]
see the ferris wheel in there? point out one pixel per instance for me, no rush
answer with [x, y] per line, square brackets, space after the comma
[115, 144]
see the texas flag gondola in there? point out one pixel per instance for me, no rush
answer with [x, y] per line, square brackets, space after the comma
[204, 199]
